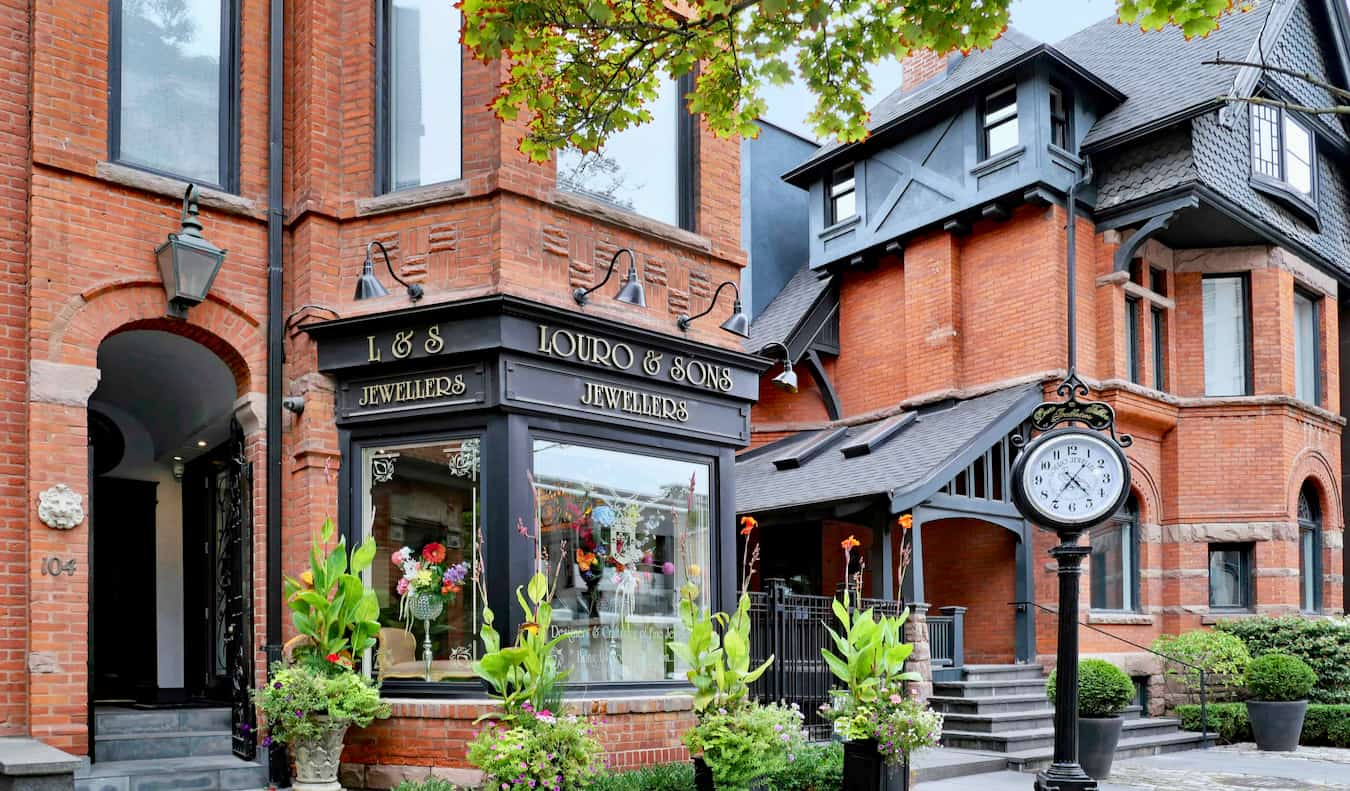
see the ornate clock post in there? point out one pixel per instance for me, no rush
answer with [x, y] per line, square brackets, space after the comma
[1069, 479]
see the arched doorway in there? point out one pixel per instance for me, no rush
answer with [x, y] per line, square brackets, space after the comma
[169, 490]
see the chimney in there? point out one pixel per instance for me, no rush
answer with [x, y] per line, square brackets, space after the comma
[919, 67]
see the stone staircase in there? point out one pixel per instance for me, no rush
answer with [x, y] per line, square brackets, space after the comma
[166, 750]
[1003, 709]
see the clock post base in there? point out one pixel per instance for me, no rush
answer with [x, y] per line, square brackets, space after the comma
[1064, 777]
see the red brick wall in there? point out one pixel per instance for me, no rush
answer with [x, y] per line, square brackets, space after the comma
[969, 563]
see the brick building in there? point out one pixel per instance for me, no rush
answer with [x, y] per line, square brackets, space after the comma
[412, 408]
[1209, 241]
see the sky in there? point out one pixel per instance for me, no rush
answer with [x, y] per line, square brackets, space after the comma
[1046, 20]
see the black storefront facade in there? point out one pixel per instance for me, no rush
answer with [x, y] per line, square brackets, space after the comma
[500, 434]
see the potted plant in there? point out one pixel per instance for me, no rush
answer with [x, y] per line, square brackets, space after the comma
[1103, 692]
[879, 723]
[737, 740]
[310, 705]
[1278, 685]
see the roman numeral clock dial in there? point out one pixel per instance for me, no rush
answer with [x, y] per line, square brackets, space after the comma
[1070, 479]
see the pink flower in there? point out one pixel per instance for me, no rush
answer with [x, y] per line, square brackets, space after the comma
[896, 699]
[668, 568]
[403, 587]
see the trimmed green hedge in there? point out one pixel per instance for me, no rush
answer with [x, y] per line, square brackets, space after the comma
[1324, 644]
[1279, 677]
[1324, 725]
[819, 767]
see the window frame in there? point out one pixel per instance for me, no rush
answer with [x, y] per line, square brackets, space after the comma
[831, 210]
[1244, 279]
[231, 60]
[1312, 524]
[1246, 576]
[985, 126]
[1065, 120]
[1133, 369]
[1126, 518]
[1319, 387]
[1158, 317]
[1279, 187]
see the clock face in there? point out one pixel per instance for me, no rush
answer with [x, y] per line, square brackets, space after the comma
[1071, 477]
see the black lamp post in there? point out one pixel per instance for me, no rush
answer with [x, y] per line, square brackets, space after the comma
[188, 263]
[369, 287]
[737, 324]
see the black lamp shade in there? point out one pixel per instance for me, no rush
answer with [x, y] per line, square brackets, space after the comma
[188, 265]
[738, 323]
[368, 286]
[631, 291]
[787, 380]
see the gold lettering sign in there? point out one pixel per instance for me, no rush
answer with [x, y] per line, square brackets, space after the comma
[418, 388]
[404, 343]
[634, 402]
[618, 356]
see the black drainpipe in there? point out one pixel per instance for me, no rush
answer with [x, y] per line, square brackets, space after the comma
[275, 337]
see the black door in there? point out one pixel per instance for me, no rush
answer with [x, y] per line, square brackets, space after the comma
[205, 552]
[123, 595]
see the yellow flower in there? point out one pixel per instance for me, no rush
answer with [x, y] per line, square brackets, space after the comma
[694, 570]
[849, 543]
[423, 578]
[905, 522]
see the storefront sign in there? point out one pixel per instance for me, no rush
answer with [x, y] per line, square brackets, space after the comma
[584, 347]
[447, 387]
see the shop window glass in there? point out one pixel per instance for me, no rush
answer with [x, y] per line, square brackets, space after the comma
[423, 99]
[1230, 576]
[421, 502]
[1224, 302]
[627, 531]
[1113, 563]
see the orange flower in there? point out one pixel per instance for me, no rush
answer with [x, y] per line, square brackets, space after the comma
[849, 543]
[905, 522]
[585, 559]
[530, 627]
[748, 524]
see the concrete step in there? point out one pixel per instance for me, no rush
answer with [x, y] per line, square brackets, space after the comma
[999, 722]
[944, 764]
[1131, 747]
[1002, 672]
[1132, 712]
[989, 704]
[974, 689]
[158, 745]
[199, 773]
[119, 720]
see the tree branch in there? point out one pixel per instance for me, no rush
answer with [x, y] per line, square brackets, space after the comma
[1311, 79]
[1338, 109]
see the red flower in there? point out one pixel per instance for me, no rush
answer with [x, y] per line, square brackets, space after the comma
[332, 658]
[748, 525]
[433, 552]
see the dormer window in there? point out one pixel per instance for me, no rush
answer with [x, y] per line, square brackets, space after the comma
[1000, 121]
[1059, 118]
[843, 195]
[1282, 150]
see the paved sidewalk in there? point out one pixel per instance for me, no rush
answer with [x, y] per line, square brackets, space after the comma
[1232, 767]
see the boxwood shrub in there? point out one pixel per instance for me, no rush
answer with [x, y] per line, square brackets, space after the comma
[1324, 644]
[658, 777]
[1103, 688]
[819, 767]
[1279, 677]
[1324, 725]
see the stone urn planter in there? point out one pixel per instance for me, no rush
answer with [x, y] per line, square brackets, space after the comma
[866, 770]
[1276, 724]
[1097, 740]
[317, 760]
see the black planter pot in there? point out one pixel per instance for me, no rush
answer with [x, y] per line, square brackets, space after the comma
[1097, 740]
[866, 770]
[703, 778]
[1276, 724]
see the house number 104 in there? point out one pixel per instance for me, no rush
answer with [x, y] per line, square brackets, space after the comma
[55, 567]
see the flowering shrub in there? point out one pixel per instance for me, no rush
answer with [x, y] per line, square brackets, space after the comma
[538, 750]
[300, 704]
[746, 743]
[899, 724]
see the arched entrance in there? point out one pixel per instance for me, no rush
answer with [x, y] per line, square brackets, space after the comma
[171, 499]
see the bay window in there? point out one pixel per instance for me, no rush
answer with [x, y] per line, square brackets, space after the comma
[1307, 370]
[173, 74]
[1283, 151]
[1227, 335]
[420, 94]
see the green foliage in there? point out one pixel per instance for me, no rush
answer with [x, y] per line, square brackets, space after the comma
[1223, 657]
[1103, 689]
[538, 750]
[331, 605]
[871, 654]
[1324, 644]
[1279, 677]
[718, 661]
[526, 672]
[899, 723]
[660, 777]
[819, 767]
[582, 70]
[743, 745]
[297, 700]
[1323, 725]
[429, 784]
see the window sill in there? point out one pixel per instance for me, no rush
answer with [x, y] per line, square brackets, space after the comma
[603, 211]
[1305, 206]
[829, 232]
[170, 187]
[413, 198]
[998, 161]
[1121, 617]
[1218, 616]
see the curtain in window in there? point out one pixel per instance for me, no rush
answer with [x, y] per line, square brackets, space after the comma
[1305, 349]
[1225, 327]
[424, 92]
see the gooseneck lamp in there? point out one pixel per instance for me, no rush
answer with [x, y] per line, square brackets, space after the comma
[368, 286]
[630, 292]
[737, 324]
[786, 380]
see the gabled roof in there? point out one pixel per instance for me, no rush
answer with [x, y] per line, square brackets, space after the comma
[787, 309]
[904, 459]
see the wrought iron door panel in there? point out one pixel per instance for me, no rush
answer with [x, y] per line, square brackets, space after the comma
[234, 591]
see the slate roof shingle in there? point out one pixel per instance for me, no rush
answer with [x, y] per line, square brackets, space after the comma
[786, 310]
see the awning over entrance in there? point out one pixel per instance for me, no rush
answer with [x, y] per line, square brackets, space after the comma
[905, 458]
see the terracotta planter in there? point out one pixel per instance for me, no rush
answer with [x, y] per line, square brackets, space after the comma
[316, 762]
[1276, 725]
[866, 770]
[1097, 740]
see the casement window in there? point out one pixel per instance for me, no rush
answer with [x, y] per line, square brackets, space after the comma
[1159, 341]
[1059, 118]
[1230, 576]
[1283, 150]
[843, 195]
[1114, 562]
[647, 169]
[1227, 332]
[420, 88]
[1157, 281]
[1307, 329]
[999, 122]
[173, 80]
[1132, 339]
[1309, 550]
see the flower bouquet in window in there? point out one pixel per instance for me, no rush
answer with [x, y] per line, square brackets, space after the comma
[429, 583]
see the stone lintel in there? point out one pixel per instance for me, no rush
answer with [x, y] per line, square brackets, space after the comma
[1228, 532]
[62, 383]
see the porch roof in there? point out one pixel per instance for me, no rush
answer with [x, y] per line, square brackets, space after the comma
[905, 458]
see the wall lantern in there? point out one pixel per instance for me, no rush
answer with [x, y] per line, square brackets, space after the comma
[188, 263]
[737, 324]
[787, 379]
[369, 287]
[630, 292]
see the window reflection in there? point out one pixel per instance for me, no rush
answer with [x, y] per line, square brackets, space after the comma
[622, 532]
[424, 88]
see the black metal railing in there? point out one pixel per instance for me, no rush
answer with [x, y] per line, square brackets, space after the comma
[946, 637]
[1204, 719]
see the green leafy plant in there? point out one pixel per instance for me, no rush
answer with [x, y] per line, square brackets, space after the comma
[428, 784]
[331, 605]
[1103, 689]
[717, 652]
[871, 652]
[899, 724]
[743, 745]
[1223, 657]
[1323, 725]
[1323, 643]
[1279, 677]
[526, 672]
[538, 750]
[301, 703]
[659, 777]
[819, 767]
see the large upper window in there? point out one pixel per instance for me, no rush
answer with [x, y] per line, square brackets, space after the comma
[1114, 562]
[623, 531]
[1059, 117]
[641, 169]
[1000, 121]
[173, 78]
[1309, 550]
[843, 198]
[1230, 576]
[1282, 149]
[1227, 335]
[1307, 370]
[422, 141]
